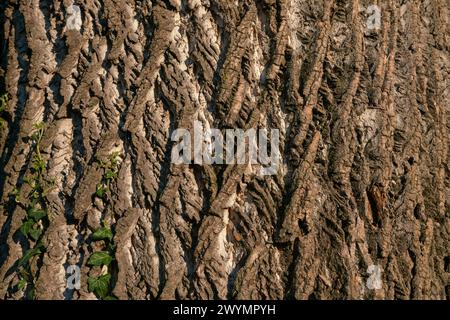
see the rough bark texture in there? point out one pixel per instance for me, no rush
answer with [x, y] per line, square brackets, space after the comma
[364, 117]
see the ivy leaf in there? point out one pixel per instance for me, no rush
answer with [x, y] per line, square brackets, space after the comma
[24, 275]
[36, 214]
[100, 258]
[29, 254]
[3, 102]
[26, 227]
[39, 126]
[102, 234]
[38, 164]
[110, 174]
[35, 233]
[100, 191]
[16, 195]
[21, 284]
[30, 295]
[99, 285]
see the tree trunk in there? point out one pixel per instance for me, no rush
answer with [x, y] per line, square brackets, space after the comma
[359, 208]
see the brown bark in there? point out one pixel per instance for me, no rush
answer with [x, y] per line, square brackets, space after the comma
[364, 117]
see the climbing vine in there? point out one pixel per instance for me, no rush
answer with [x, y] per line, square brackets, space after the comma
[110, 171]
[37, 217]
[101, 286]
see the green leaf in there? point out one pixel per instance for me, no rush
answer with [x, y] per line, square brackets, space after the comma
[111, 298]
[29, 254]
[16, 195]
[21, 284]
[37, 214]
[100, 258]
[35, 233]
[113, 158]
[110, 174]
[38, 164]
[30, 295]
[35, 196]
[99, 285]
[26, 227]
[34, 200]
[38, 126]
[24, 274]
[100, 191]
[35, 136]
[102, 234]
[3, 101]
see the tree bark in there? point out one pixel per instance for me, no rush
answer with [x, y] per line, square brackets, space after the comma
[364, 117]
